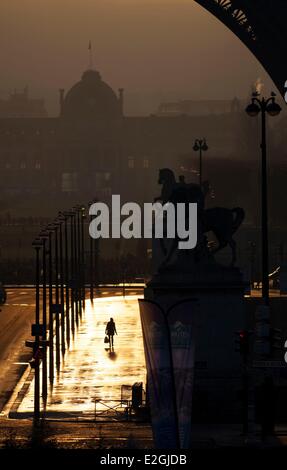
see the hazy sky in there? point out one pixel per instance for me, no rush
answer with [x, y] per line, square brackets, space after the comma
[142, 45]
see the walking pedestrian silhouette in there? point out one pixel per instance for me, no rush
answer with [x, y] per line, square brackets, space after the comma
[111, 331]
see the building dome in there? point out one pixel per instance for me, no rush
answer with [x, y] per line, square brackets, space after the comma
[91, 98]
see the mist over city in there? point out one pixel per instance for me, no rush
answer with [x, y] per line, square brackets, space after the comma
[157, 50]
[172, 340]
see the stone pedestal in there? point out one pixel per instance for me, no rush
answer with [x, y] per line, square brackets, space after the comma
[221, 312]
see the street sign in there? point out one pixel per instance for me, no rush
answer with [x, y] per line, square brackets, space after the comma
[269, 364]
[37, 329]
[57, 308]
[33, 344]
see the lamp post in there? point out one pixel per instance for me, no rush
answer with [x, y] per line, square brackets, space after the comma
[44, 236]
[91, 260]
[79, 259]
[72, 277]
[80, 216]
[264, 106]
[50, 230]
[56, 307]
[77, 263]
[200, 146]
[67, 277]
[60, 220]
[37, 245]
[92, 257]
[83, 289]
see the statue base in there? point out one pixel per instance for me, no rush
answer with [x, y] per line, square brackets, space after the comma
[206, 279]
[219, 291]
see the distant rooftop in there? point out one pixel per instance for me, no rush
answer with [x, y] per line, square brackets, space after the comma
[20, 105]
[200, 107]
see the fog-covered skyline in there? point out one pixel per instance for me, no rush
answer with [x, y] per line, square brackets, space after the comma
[155, 49]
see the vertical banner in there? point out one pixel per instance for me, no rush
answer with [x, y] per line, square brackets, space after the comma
[182, 320]
[169, 339]
[160, 384]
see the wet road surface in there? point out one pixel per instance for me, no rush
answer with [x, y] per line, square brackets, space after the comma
[91, 371]
[16, 317]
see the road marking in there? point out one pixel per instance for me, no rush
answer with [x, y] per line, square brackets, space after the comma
[20, 305]
[5, 411]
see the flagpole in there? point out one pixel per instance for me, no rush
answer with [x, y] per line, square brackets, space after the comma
[90, 56]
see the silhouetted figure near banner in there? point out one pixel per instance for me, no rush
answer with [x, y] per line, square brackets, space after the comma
[110, 331]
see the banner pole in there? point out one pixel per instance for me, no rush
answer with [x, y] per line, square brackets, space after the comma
[172, 380]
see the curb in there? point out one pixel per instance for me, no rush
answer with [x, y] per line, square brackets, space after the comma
[11, 407]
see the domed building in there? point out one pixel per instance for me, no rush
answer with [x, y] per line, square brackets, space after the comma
[91, 149]
[91, 98]
[89, 136]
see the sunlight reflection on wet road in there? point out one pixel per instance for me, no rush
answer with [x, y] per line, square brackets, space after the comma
[90, 370]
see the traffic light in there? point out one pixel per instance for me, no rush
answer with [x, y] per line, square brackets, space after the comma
[242, 342]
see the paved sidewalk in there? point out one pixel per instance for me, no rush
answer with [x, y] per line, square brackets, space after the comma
[90, 370]
[19, 433]
[92, 435]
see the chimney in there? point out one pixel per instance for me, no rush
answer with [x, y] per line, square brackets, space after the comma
[62, 96]
[121, 100]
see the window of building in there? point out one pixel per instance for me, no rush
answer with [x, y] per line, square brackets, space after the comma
[38, 165]
[106, 192]
[69, 182]
[23, 165]
[146, 163]
[8, 165]
[131, 163]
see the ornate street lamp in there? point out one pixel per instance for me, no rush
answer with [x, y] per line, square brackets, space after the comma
[61, 219]
[264, 106]
[36, 332]
[200, 146]
[92, 257]
[44, 237]
[67, 264]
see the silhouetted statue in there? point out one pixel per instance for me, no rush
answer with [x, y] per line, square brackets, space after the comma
[221, 221]
[181, 179]
[178, 192]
